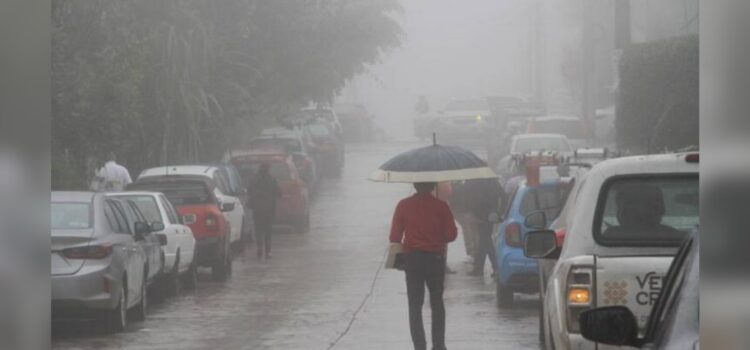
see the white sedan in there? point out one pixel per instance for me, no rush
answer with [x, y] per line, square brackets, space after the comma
[179, 248]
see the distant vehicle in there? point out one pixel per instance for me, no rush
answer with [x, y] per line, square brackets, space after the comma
[631, 215]
[466, 126]
[179, 248]
[295, 142]
[293, 207]
[326, 114]
[356, 122]
[528, 208]
[674, 320]
[572, 127]
[327, 147]
[195, 200]
[525, 143]
[235, 214]
[97, 263]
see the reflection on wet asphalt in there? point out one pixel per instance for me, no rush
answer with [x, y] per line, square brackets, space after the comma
[306, 297]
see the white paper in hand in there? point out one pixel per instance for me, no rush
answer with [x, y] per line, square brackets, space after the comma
[394, 250]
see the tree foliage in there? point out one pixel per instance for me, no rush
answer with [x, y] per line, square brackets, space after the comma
[178, 81]
[657, 105]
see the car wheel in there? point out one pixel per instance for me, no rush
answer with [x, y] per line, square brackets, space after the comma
[190, 279]
[117, 319]
[503, 296]
[172, 280]
[139, 312]
[221, 269]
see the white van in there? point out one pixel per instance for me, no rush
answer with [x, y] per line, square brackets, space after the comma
[631, 215]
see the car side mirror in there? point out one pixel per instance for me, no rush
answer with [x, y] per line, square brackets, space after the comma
[157, 226]
[141, 229]
[226, 207]
[613, 325]
[494, 218]
[536, 220]
[541, 245]
[162, 238]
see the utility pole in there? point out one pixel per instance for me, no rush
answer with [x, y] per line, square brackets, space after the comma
[622, 24]
[587, 62]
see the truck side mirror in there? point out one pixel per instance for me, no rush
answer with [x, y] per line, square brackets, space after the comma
[613, 325]
[541, 245]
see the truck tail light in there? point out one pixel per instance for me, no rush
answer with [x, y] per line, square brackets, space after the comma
[578, 294]
[99, 251]
[513, 235]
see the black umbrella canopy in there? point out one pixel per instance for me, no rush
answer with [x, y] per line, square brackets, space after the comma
[434, 163]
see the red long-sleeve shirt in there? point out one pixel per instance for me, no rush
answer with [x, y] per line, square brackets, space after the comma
[423, 222]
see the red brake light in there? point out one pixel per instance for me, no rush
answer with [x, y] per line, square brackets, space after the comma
[88, 252]
[692, 158]
[560, 237]
[513, 235]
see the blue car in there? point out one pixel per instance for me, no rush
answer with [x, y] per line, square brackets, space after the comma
[516, 272]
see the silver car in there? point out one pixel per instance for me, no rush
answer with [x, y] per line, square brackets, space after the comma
[98, 266]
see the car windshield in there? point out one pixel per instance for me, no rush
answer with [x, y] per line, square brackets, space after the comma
[147, 205]
[527, 144]
[572, 128]
[282, 144]
[178, 192]
[651, 210]
[248, 170]
[65, 216]
[319, 131]
[548, 199]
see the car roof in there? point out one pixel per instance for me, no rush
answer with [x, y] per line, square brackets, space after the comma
[645, 164]
[539, 136]
[73, 196]
[134, 193]
[557, 117]
[202, 170]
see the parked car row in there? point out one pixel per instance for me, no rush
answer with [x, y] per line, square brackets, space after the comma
[598, 250]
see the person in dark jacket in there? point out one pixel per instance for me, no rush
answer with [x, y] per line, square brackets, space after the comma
[263, 195]
[424, 225]
[485, 197]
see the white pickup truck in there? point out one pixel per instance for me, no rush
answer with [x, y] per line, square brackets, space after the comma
[631, 216]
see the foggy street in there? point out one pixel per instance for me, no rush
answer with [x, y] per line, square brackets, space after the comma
[323, 289]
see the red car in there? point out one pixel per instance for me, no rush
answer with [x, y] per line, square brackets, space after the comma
[292, 208]
[193, 197]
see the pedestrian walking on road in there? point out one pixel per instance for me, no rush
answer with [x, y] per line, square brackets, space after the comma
[424, 225]
[264, 191]
[111, 176]
[485, 197]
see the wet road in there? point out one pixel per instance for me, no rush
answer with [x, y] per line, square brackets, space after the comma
[322, 290]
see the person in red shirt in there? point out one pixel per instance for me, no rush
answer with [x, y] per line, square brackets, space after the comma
[424, 225]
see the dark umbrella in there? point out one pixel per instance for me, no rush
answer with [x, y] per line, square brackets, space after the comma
[434, 163]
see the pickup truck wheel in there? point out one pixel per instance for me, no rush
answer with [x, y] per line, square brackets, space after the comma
[503, 296]
[117, 318]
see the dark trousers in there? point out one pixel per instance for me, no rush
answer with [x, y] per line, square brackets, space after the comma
[425, 269]
[485, 248]
[263, 232]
